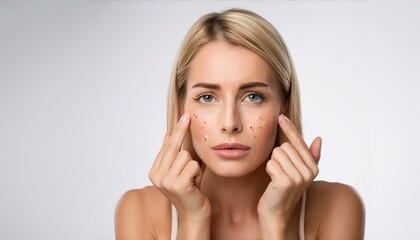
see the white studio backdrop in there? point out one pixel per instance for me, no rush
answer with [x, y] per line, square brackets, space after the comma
[83, 89]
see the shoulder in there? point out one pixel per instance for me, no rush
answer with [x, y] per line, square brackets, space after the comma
[335, 191]
[338, 210]
[142, 213]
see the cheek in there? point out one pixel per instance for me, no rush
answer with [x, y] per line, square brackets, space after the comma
[268, 124]
[199, 128]
[264, 128]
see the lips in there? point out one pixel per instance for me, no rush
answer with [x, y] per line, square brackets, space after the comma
[231, 150]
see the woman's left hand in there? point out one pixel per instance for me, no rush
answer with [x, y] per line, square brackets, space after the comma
[292, 168]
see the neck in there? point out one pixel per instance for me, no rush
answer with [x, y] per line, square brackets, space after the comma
[235, 196]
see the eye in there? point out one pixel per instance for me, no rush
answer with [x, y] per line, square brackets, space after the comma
[205, 98]
[254, 97]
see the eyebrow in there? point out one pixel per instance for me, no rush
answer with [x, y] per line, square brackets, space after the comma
[207, 85]
[253, 84]
[242, 87]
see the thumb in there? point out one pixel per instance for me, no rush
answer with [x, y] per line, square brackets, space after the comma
[315, 149]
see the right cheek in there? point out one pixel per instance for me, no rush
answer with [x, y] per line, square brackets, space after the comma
[197, 131]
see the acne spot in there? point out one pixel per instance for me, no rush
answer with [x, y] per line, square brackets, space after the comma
[204, 122]
[205, 138]
[252, 129]
[264, 124]
[262, 120]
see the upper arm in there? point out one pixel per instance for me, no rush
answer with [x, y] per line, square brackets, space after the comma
[344, 217]
[131, 221]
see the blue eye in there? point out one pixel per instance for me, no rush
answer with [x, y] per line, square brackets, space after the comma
[205, 98]
[254, 97]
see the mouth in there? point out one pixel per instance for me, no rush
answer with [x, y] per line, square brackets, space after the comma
[231, 150]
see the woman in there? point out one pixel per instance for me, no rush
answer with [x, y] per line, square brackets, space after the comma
[233, 164]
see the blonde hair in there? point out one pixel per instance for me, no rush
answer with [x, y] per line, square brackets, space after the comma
[243, 28]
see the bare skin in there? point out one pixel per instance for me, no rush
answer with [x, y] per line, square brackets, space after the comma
[251, 188]
[333, 211]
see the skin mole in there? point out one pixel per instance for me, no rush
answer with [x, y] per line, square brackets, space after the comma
[252, 129]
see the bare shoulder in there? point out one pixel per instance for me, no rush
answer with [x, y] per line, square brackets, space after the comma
[337, 211]
[335, 191]
[142, 214]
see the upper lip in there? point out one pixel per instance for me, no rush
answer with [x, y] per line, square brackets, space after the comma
[230, 146]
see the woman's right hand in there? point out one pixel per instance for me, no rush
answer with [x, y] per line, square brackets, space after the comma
[178, 176]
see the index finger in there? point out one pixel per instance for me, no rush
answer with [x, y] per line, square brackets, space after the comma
[174, 143]
[295, 138]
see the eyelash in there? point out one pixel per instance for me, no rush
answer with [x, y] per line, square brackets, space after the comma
[261, 96]
[201, 95]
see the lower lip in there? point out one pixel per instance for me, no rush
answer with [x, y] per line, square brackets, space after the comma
[232, 153]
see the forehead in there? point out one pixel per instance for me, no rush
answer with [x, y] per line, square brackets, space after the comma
[222, 63]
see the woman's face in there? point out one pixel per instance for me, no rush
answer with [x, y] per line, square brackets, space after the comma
[233, 99]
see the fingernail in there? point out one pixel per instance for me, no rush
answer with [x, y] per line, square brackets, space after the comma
[184, 117]
[283, 119]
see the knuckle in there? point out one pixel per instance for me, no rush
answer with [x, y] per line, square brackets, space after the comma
[290, 128]
[166, 183]
[301, 141]
[157, 182]
[299, 179]
[151, 177]
[286, 145]
[315, 171]
[169, 146]
[193, 165]
[184, 154]
[277, 152]
[307, 175]
[178, 128]
[270, 164]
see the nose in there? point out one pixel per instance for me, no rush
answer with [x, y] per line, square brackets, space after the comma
[230, 121]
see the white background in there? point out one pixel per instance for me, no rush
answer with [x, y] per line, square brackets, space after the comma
[83, 89]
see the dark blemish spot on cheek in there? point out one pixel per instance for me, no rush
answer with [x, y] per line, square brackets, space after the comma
[204, 122]
[205, 138]
[264, 124]
[252, 129]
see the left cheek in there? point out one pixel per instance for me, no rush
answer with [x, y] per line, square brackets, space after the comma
[263, 128]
